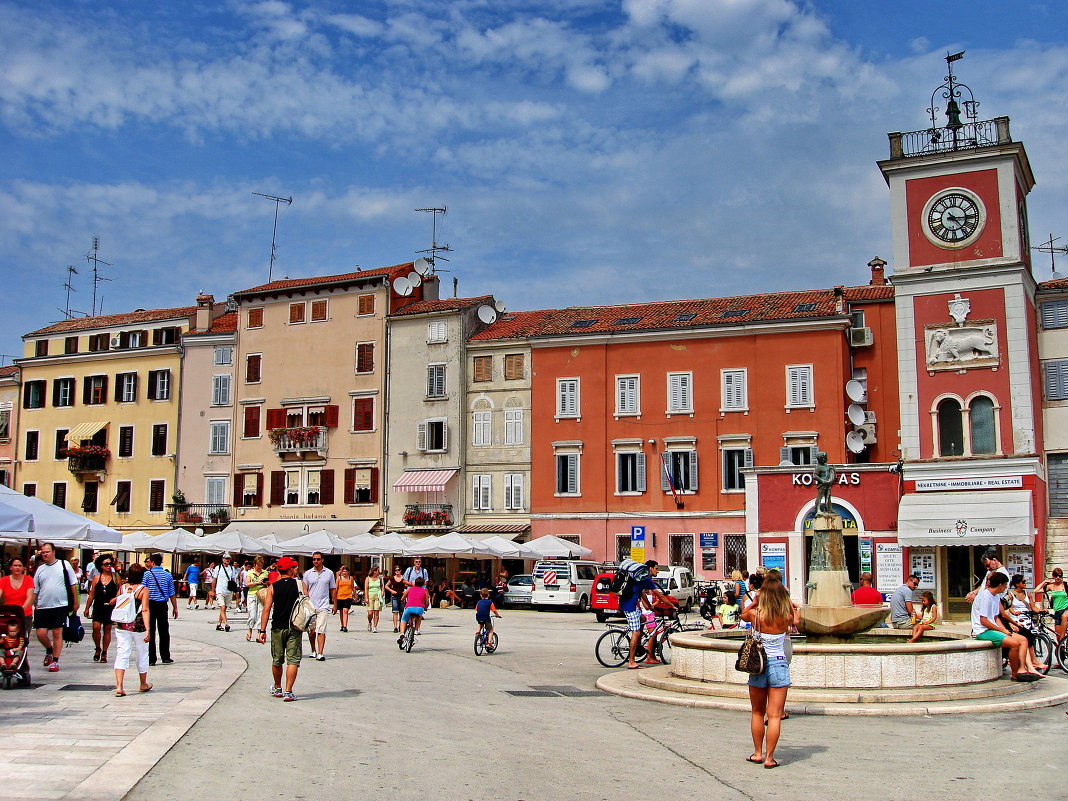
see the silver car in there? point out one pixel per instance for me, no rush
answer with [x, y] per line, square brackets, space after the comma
[519, 589]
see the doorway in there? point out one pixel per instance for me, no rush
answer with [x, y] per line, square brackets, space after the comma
[964, 570]
[851, 545]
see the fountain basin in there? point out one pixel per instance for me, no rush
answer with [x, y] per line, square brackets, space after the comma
[838, 623]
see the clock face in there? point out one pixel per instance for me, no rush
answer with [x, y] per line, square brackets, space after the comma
[953, 218]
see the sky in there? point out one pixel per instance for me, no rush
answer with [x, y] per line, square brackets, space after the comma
[588, 152]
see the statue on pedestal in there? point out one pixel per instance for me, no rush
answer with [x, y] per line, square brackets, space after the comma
[825, 475]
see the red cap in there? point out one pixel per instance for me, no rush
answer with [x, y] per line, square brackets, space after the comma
[286, 562]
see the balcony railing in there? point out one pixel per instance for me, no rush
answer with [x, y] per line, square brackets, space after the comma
[942, 140]
[298, 440]
[87, 464]
[198, 514]
[428, 514]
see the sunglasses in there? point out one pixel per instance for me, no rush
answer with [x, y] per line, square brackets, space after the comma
[105, 564]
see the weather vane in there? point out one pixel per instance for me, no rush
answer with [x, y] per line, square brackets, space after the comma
[954, 93]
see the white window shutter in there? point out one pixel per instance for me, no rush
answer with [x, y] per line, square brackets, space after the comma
[784, 455]
[517, 490]
[572, 472]
[475, 496]
[665, 478]
[640, 483]
[444, 436]
[693, 471]
[487, 492]
[421, 437]
[747, 458]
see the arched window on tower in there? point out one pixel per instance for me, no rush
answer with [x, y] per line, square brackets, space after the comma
[950, 428]
[981, 422]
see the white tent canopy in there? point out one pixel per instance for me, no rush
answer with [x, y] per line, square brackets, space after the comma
[388, 544]
[135, 541]
[451, 544]
[236, 542]
[504, 548]
[50, 523]
[175, 541]
[284, 530]
[552, 546]
[322, 541]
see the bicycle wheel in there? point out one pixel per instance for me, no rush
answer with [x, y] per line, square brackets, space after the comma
[663, 648]
[612, 648]
[480, 643]
[491, 646]
[409, 639]
[1044, 649]
[1062, 654]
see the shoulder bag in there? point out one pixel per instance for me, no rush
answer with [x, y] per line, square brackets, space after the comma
[752, 658]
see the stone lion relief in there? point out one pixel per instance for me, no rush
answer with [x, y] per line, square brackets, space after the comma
[963, 346]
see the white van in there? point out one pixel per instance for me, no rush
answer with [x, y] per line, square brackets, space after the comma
[563, 582]
[677, 581]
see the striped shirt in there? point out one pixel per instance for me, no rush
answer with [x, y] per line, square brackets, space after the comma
[160, 584]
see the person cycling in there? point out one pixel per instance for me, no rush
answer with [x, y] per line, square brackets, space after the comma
[483, 611]
[415, 600]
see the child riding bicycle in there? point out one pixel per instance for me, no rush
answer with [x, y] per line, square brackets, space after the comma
[484, 608]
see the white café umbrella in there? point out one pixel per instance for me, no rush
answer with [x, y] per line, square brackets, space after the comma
[503, 547]
[50, 523]
[176, 540]
[361, 543]
[322, 541]
[136, 541]
[451, 544]
[552, 546]
[391, 544]
[237, 542]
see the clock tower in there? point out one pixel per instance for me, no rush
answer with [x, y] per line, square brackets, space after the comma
[967, 347]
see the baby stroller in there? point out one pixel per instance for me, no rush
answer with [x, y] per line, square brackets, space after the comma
[14, 667]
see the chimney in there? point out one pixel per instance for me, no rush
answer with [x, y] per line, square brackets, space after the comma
[878, 267]
[205, 304]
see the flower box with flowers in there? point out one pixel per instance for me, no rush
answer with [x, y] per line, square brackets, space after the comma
[301, 436]
[80, 451]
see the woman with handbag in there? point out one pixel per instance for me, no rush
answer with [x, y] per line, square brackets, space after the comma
[131, 617]
[771, 616]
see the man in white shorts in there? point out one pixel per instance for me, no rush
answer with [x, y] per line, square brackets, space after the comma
[226, 577]
[322, 590]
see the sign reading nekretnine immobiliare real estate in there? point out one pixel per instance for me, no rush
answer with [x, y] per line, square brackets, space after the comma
[984, 482]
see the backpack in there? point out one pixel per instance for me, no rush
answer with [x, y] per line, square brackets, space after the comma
[627, 577]
[302, 618]
[125, 607]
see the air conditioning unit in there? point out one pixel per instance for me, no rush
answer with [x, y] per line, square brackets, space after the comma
[115, 342]
[869, 417]
[860, 337]
[868, 432]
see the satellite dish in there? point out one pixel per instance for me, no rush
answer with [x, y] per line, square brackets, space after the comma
[422, 266]
[402, 286]
[855, 413]
[855, 390]
[415, 279]
[499, 306]
[855, 441]
[487, 314]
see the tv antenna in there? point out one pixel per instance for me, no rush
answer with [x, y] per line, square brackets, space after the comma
[69, 286]
[435, 248]
[93, 258]
[274, 234]
[1051, 249]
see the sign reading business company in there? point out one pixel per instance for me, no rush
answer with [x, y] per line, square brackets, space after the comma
[980, 483]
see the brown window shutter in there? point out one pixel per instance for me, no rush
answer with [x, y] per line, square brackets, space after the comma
[483, 368]
[239, 490]
[350, 485]
[87, 391]
[55, 393]
[374, 485]
[259, 489]
[330, 416]
[276, 418]
[326, 486]
[104, 389]
[252, 421]
[278, 487]
[150, 393]
[363, 414]
[118, 388]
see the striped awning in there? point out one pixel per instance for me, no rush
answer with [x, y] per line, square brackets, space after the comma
[424, 480]
[83, 431]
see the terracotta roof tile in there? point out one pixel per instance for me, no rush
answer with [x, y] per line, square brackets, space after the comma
[512, 325]
[111, 320]
[1056, 283]
[319, 280]
[9, 370]
[223, 324]
[445, 304]
[870, 292]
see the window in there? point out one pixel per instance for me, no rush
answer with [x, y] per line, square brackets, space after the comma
[95, 390]
[432, 435]
[33, 395]
[291, 496]
[626, 394]
[680, 550]
[219, 441]
[90, 497]
[126, 438]
[361, 485]
[735, 395]
[680, 393]
[950, 428]
[251, 427]
[156, 489]
[513, 426]
[623, 546]
[1056, 380]
[567, 474]
[363, 414]
[481, 428]
[630, 471]
[365, 305]
[215, 491]
[798, 454]
[40, 347]
[224, 354]
[514, 367]
[252, 368]
[133, 339]
[313, 492]
[437, 332]
[159, 384]
[59, 494]
[318, 311]
[734, 459]
[296, 313]
[1055, 313]
[5, 424]
[513, 491]
[165, 336]
[98, 342]
[70, 345]
[567, 397]
[254, 319]
[799, 386]
[365, 357]
[220, 390]
[679, 471]
[248, 489]
[435, 380]
[483, 368]
[33, 443]
[63, 392]
[121, 502]
[29, 490]
[981, 425]
[159, 439]
[482, 492]
[126, 388]
[60, 451]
